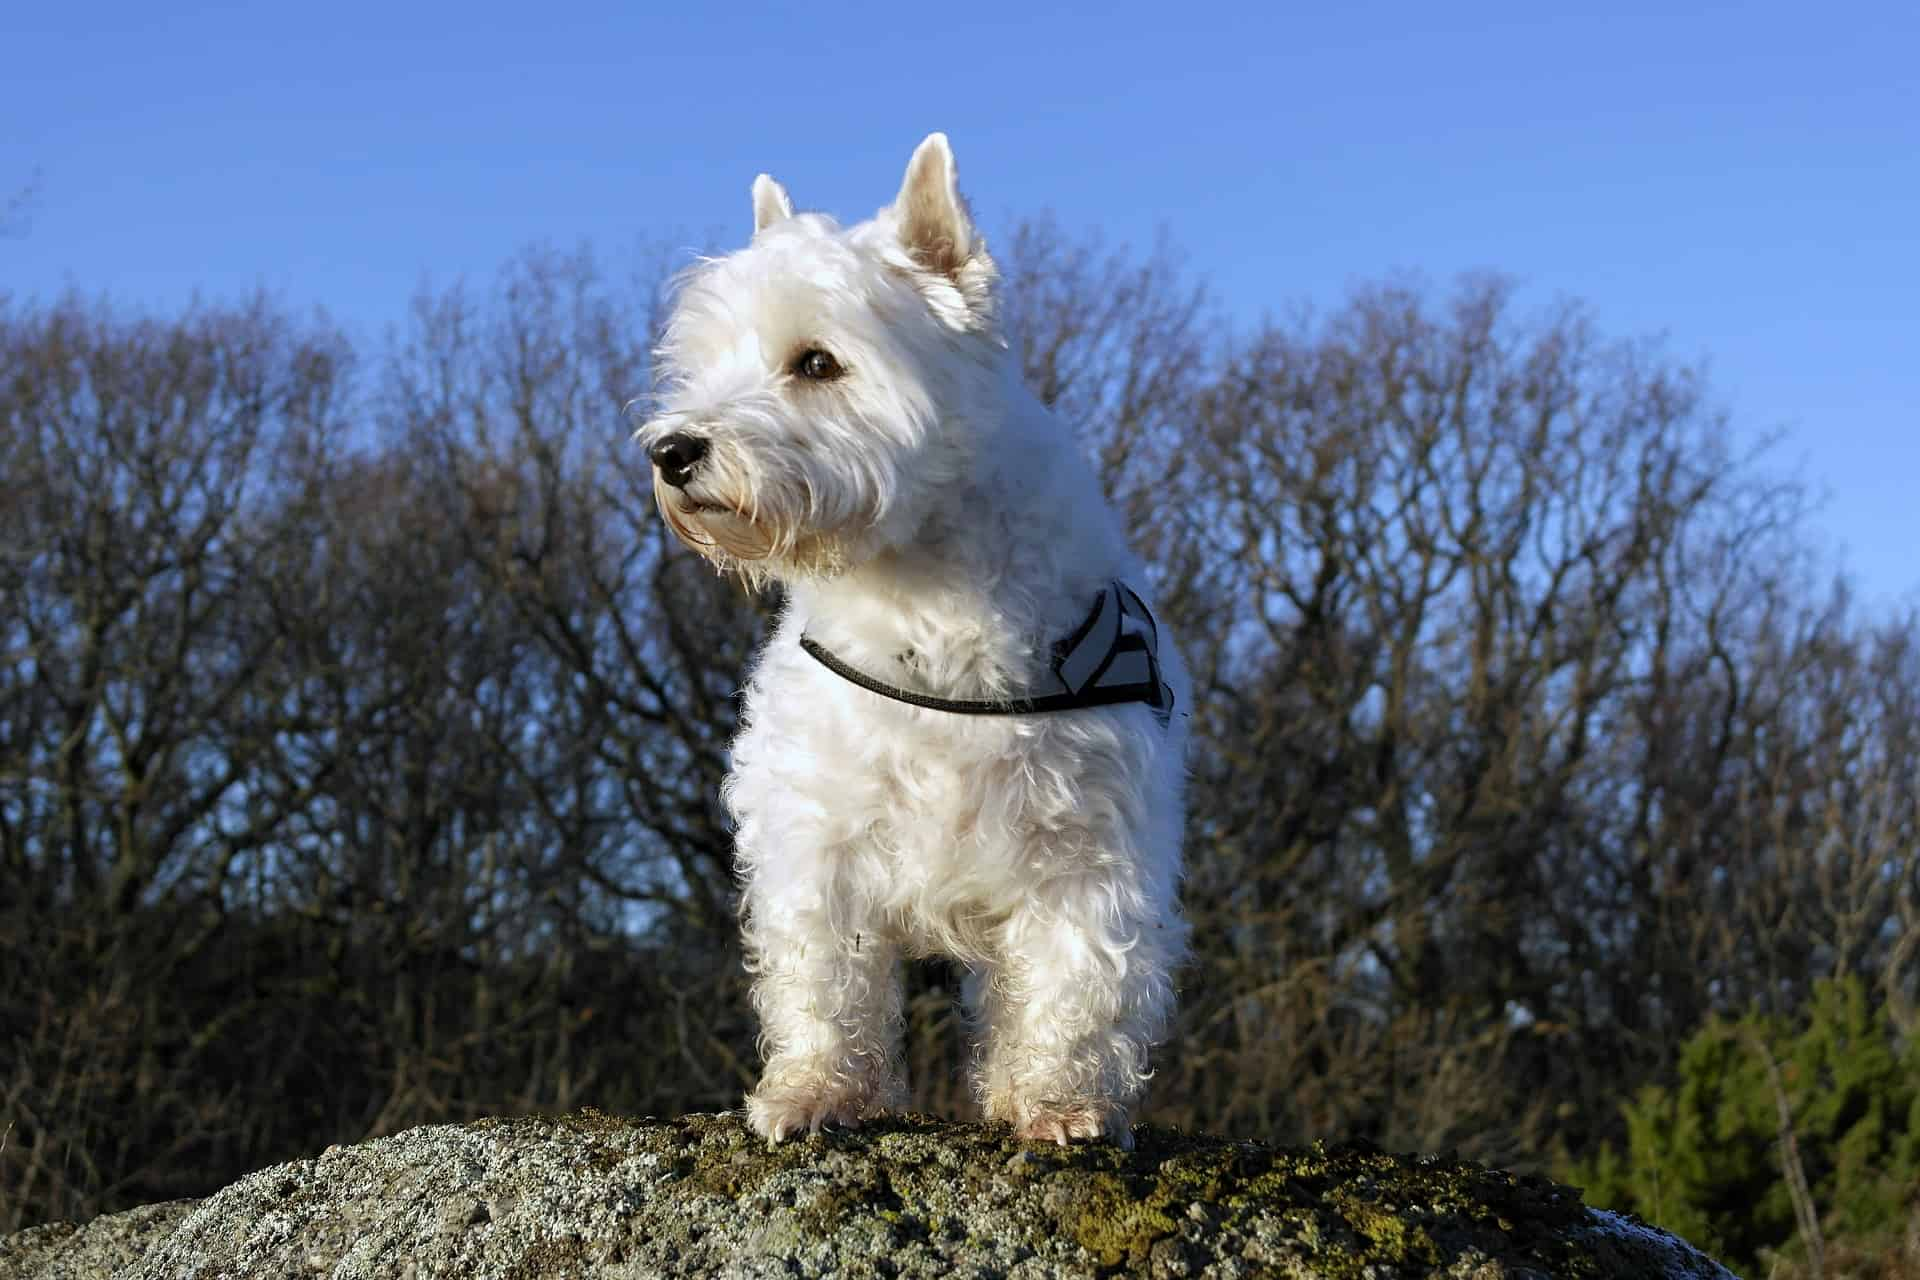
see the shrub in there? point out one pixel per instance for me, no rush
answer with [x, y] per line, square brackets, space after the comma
[1704, 1155]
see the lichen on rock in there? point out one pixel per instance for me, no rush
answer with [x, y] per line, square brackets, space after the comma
[593, 1195]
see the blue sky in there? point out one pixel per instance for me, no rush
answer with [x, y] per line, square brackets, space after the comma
[1743, 178]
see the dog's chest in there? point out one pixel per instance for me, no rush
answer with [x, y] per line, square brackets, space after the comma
[934, 795]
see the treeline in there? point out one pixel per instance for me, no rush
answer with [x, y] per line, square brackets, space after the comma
[360, 729]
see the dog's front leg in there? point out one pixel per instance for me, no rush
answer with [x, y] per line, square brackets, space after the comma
[1070, 1007]
[826, 985]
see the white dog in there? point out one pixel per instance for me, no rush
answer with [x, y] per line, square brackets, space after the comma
[966, 733]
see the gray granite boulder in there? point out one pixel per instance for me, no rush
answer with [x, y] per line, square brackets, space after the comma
[595, 1195]
[63, 1251]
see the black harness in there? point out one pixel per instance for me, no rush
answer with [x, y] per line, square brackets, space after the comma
[1101, 662]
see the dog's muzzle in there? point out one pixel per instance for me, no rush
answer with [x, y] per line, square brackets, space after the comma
[676, 456]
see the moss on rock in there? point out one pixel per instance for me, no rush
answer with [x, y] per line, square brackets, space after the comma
[593, 1195]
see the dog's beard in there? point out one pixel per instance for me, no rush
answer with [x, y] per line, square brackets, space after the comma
[744, 538]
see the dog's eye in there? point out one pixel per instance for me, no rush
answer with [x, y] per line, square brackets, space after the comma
[817, 365]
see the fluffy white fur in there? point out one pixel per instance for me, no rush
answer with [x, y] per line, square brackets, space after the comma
[933, 525]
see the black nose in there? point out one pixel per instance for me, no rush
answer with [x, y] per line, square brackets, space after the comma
[676, 456]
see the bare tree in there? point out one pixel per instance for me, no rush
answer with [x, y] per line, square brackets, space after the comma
[1509, 624]
[129, 454]
[361, 707]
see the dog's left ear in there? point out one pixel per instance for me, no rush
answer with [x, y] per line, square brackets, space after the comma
[770, 203]
[934, 224]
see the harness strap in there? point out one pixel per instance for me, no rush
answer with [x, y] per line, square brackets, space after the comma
[1099, 664]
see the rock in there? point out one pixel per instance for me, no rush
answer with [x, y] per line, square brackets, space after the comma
[593, 1195]
[62, 1251]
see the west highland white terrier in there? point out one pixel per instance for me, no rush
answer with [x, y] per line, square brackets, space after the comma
[966, 733]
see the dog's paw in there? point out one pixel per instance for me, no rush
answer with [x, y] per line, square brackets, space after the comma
[1067, 1123]
[783, 1112]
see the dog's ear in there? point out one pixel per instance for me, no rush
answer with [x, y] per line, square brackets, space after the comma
[932, 217]
[770, 203]
[935, 227]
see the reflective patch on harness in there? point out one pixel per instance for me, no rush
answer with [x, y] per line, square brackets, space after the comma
[1116, 650]
[1091, 647]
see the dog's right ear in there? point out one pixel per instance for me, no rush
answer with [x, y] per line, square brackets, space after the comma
[937, 231]
[931, 216]
[770, 203]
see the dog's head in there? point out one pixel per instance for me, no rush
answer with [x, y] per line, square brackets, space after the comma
[823, 388]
